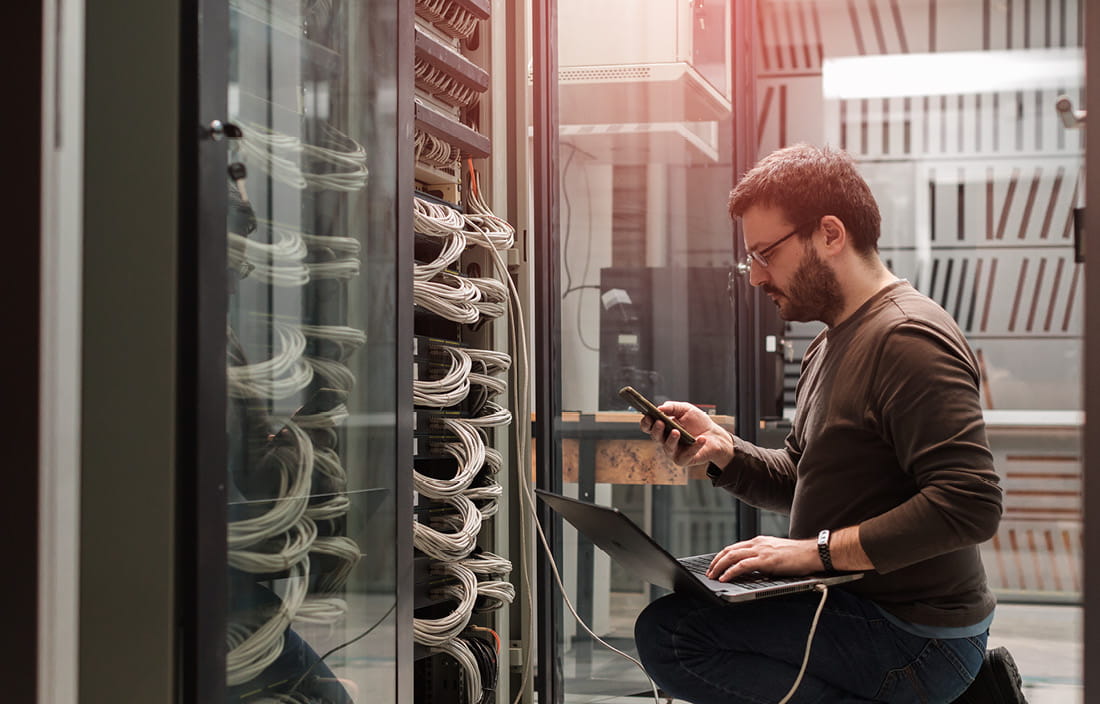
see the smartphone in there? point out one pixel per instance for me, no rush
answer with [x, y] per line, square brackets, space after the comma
[645, 406]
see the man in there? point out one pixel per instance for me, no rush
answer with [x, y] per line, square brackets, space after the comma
[887, 453]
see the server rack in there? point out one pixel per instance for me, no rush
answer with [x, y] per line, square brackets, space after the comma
[295, 389]
[317, 444]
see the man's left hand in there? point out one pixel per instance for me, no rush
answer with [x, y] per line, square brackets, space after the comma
[766, 554]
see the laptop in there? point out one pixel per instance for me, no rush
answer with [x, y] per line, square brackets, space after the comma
[631, 547]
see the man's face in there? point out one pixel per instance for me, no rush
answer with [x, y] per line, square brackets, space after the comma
[798, 281]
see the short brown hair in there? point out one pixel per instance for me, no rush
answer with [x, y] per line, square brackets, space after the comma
[808, 183]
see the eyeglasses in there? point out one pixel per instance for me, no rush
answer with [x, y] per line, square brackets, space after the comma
[760, 256]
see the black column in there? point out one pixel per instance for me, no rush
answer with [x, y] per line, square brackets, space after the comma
[21, 354]
[748, 313]
[547, 316]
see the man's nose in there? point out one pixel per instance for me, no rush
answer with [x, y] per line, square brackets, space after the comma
[757, 274]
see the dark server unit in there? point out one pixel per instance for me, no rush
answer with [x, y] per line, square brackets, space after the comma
[668, 332]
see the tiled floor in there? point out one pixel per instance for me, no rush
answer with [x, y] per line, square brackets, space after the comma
[1045, 641]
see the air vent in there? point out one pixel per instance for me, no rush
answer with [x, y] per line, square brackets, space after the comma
[611, 73]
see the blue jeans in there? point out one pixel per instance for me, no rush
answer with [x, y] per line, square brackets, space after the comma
[751, 652]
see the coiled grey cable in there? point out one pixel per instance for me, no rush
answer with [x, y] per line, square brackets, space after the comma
[496, 416]
[453, 247]
[489, 495]
[334, 269]
[440, 634]
[469, 452]
[455, 303]
[281, 155]
[252, 648]
[451, 388]
[258, 145]
[494, 461]
[332, 507]
[337, 375]
[296, 544]
[494, 360]
[436, 220]
[295, 464]
[450, 546]
[493, 301]
[283, 262]
[339, 245]
[487, 563]
[327, 463]
[257, 658]
[345, 551]
[279, 264]
[285, 374]
[435, 152]
[491, 383]
[327, 418]
[489, 588]
[483, 227]
[346, 338]
[497, 589]
[437, 631]
[321, 610]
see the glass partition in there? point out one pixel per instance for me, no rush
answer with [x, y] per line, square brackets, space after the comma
[645, 106]
[311, 348]
[950, 109]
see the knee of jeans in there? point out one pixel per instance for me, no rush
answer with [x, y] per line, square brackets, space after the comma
[654, 626]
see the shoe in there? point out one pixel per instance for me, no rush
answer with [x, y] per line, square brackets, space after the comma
[998, 681]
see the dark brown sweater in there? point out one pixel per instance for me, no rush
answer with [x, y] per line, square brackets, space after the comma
[888, 435]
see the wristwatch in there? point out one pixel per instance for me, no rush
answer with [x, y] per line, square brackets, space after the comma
[823, 551]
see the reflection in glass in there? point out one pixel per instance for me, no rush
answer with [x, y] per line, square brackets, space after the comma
[310, 483]
[646, 258]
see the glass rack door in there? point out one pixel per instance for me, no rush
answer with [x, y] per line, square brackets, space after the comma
[311, 429]
[647, 296]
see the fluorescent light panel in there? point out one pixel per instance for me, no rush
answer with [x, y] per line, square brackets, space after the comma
[952, 73]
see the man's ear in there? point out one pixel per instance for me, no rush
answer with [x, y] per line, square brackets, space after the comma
[835, 234]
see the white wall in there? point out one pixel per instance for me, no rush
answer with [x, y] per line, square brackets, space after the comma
[588, 248]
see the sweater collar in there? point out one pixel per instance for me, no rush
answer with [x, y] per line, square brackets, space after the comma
[870, 303]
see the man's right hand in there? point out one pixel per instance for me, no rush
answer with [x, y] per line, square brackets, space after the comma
[712, 442]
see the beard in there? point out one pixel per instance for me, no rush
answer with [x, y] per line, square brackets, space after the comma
[813, 293]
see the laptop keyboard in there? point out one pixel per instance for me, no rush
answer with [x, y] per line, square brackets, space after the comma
[698, 564]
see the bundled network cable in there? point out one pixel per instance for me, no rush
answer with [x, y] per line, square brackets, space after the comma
[293, 258]
[289, 160]
[443, 85]
[286, 529]
[470, 380]
[432, 150]
[446, 293]
[451, 388]
[449, 16]
[255, 643]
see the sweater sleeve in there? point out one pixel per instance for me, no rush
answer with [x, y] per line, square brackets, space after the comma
[761, 477]
[926, 403]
